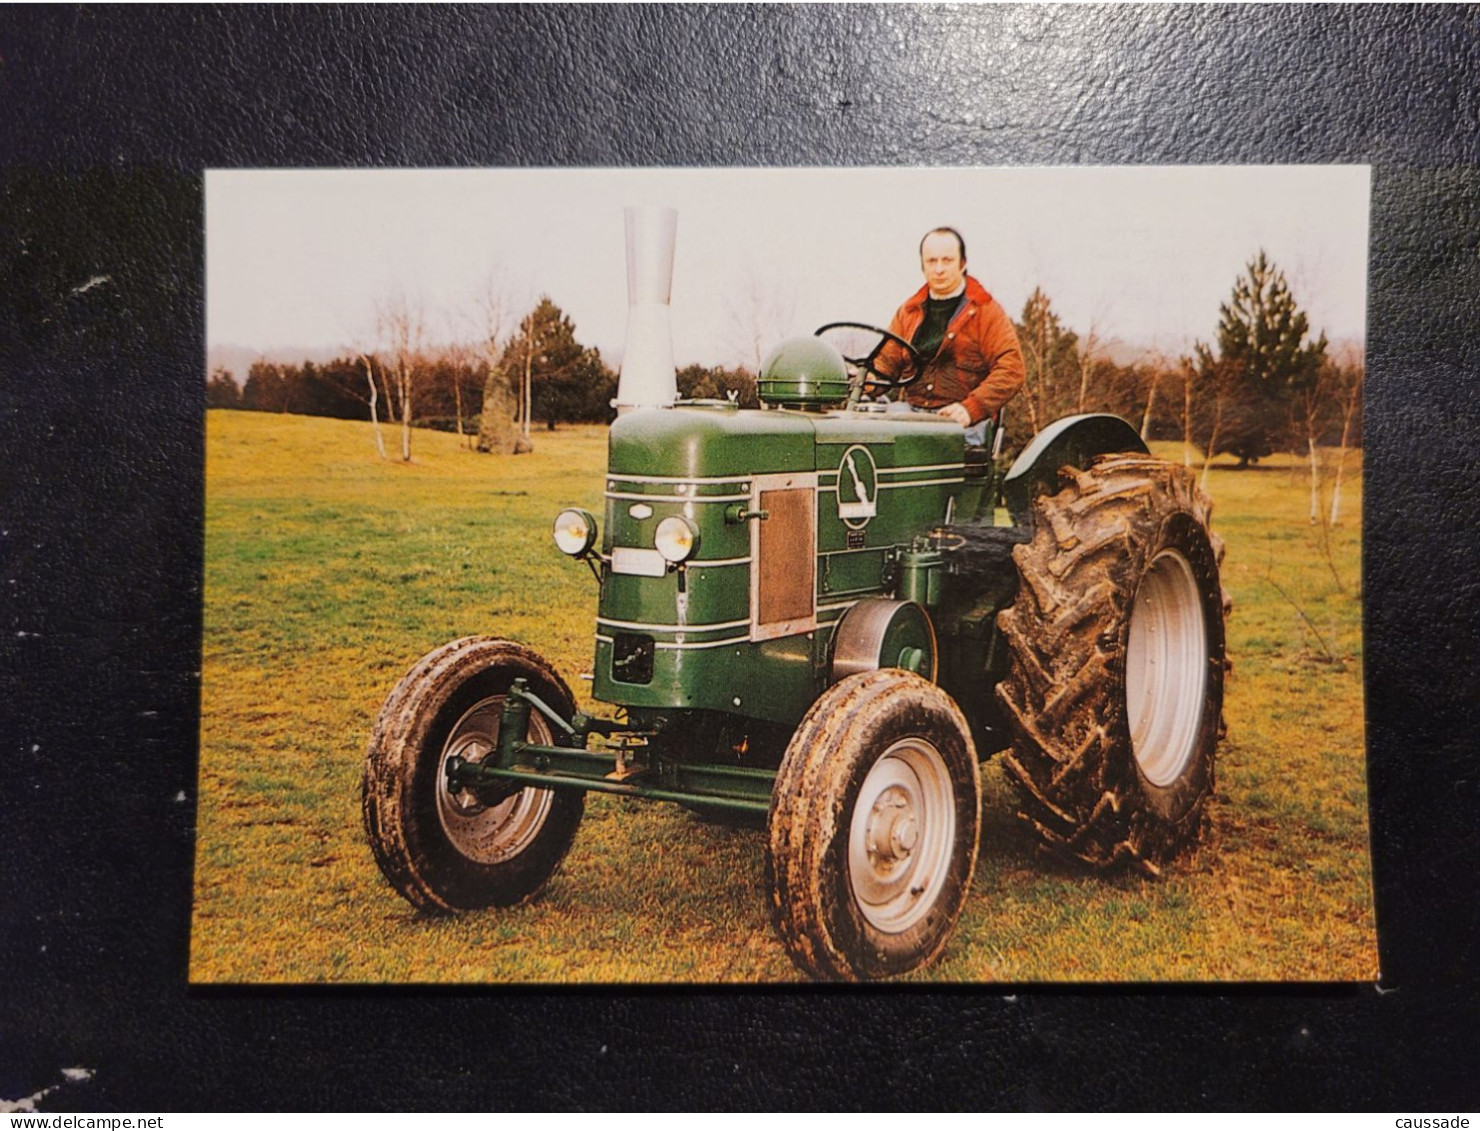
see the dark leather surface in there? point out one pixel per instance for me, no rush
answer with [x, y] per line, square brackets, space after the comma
[107, 117]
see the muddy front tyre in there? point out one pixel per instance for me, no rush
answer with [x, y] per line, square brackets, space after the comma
[873, 829]
[448, 851]
[1115, 693]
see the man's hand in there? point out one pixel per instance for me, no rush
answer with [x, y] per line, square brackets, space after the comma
[957, 413]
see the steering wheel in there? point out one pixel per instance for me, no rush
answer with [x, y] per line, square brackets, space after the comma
[868, 364]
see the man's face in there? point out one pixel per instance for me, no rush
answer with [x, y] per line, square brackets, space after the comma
[940, 259]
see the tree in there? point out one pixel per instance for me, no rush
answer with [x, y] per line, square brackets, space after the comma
[1087, 359]
[701, 382]
[268, 388]
[449, 389]
[1158, 420]
[499, 430]
[760, 312]
[401, 324]
[1245, 395]
[1051, 367]
[1214, 386]
[1124, 390]
[1347, 380]
[566, 380]
[373, 398]
[458, 363]
[1312, 405]
[222, 390]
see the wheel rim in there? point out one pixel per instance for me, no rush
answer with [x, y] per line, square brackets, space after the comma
[489, 834]
[1166, 668]
[902, 836]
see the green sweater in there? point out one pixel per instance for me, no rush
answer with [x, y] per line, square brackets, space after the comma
[932, 331]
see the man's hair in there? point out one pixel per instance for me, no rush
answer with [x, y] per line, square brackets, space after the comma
[944, 232]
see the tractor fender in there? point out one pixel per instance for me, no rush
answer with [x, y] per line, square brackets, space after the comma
[1070, 442]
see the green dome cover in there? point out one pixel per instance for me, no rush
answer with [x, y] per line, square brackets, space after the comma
[803, 373]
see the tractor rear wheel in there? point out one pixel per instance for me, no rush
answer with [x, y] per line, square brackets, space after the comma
[1115, 693]
[873, 830]
[447, 851]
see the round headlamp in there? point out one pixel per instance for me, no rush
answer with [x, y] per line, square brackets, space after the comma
[676, 538]
[574, 531]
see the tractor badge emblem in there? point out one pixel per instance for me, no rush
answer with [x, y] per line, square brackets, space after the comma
[858, 488]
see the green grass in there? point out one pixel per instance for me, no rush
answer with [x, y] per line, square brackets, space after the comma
[328, 572]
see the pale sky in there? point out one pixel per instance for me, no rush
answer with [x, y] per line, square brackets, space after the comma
[299, 257]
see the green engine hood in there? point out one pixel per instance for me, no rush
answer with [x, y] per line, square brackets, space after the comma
[703, 442]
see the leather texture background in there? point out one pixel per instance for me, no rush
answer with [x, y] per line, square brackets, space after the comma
[108, 116]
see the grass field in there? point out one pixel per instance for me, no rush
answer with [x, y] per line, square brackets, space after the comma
[328, 572]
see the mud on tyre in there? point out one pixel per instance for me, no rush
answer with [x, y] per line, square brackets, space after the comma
[1115, 693]
[446, 851]
[874, 825]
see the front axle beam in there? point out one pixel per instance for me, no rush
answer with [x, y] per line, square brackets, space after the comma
[514, 764]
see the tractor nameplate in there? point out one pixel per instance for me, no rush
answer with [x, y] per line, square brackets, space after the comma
[638, 563]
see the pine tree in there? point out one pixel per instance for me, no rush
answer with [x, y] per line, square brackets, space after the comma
[1266, 359]
[566, 380]
[222, 391]
[1051, 368]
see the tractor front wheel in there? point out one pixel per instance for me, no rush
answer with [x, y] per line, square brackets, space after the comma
[1115, 693]
[873, 828]
[447, 851]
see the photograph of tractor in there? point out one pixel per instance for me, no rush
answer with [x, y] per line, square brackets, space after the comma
[826, 613]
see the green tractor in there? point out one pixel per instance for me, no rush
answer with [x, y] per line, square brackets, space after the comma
[827, 612]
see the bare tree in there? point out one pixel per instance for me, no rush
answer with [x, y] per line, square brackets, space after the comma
[1157, 366]
[356, 334]
[1085, 356]
[460, 356]
[1218, 377]
[1032, 380]
[463, 352]
[526, 393]
[763, 312]
[1186, 370]
[1310, 401]
[401, 325]
[374, 398]
[1349, 375]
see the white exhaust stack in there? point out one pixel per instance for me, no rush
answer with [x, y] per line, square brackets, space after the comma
[649, 378]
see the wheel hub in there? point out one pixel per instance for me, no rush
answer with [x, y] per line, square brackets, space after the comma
[472, 749]
[892, 826]
[485, 833]
[1166, 669]
[902, 836]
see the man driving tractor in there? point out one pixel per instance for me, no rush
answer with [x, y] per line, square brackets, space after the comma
[973, 365]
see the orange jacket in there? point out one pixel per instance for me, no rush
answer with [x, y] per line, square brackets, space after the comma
[978, 364]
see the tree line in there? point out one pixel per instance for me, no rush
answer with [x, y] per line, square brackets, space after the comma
[1264, 384]
[491, 391]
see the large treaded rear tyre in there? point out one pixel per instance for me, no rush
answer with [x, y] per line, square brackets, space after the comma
[1115, 693]
[874, 824]
[445, 851]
